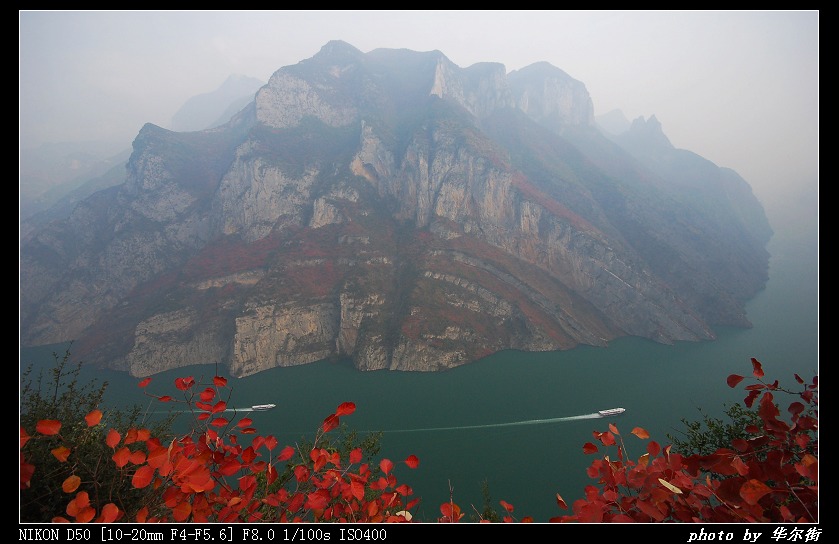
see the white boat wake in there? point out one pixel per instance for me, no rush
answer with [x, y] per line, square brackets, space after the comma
[595, 415]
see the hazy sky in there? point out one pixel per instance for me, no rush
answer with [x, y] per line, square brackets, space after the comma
[740, 88]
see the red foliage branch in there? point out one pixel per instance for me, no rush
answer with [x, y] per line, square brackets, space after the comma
[208, 475]
[771, 477]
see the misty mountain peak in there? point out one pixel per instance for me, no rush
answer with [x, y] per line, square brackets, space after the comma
[338, 51]
[542, 70]
[215, 108]
[614, 122]
[551, 97]
[649, 132]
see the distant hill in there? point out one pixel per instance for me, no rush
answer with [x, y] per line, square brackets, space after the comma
[215, 108]
[613, 122]
[50, 171]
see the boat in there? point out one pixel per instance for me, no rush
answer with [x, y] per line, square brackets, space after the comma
[611, 412]
[260, 407]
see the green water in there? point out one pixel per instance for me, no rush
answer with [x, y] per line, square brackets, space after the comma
[482, 422]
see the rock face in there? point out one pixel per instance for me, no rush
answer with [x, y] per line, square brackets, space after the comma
[396, 209]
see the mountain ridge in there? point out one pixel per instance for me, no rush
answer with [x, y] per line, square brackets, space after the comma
[396, 209]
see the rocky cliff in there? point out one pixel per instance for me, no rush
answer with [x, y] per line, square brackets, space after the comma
[396, 209]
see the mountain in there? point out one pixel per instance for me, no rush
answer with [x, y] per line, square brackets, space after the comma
[215, 108]
[67, 194]
[396, 209]
[50, 171]
[613, 122]
[698, 179]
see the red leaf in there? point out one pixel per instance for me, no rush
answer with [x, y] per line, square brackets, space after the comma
[85, 515]
[330, 423]
[165, 398]
[207, 394]
[589, 448]
[180, 512]
[131, 436]
[357, 489]
[301, 473]
[412, 461]
[144, 382]
[507, 506]
[733, 380]
[795, 408]
[741, 467]
[653, 448]
[48, 427]
[219, 381]
[71, 484]
[355, 456]
[26, 472]
[650, 509]
[158, 457]
[386, 465]
[121, 457]
[607, 438]
[740, 444]
[249, 454]
[110, 512]
[184, 383]
[244, 422]
[613, 429]
[113, 439]
[61, 453]
[561, 502]
[79, 503]
[640, 433]
[757, 368]
[286, 454]
[142, 478]
[24, 437]
[345, 409]
[230, 467]
[219, 422]
[270, 442]
[220, 406]
[316, 501]
[138, 457]
[753, 490]
[451, 512]
[143, 514]
[93, 418]
[248, 430]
